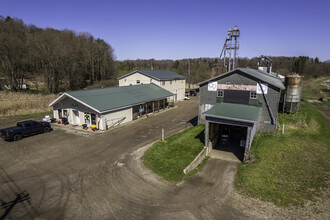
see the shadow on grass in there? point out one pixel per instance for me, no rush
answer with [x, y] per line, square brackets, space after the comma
[193, 121]
[201, 136]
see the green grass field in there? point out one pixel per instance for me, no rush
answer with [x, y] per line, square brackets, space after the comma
[168, 158]
[315, 88]
[293, 167]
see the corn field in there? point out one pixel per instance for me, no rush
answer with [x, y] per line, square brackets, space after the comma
[16, 103]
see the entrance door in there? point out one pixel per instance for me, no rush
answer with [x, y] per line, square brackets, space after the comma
[59, 113]
[75, 115]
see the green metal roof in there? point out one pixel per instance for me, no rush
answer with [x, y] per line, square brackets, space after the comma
[238, 112]
[108, 99]
[157, 74]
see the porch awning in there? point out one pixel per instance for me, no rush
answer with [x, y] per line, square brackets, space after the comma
[236, 112]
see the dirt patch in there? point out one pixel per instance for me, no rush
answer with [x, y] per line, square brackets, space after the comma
[317, 210]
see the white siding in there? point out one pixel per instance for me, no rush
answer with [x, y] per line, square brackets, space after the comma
[177, 87]
[112, 117]
[132, 80]
[70, 104]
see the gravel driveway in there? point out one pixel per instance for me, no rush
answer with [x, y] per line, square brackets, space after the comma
[101, 176]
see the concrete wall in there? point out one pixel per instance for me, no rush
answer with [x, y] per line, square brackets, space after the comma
[200, 157]
[209, 98]
[131, 80]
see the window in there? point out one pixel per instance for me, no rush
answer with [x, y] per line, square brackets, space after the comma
[65, 113]
[220, 93]
[150, 80]
[125, 80]
[137, 81]
[87, 121]
[170, 82]
[253, 95]
[163, 83]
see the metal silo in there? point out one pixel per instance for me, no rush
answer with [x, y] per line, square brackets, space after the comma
[292, 96]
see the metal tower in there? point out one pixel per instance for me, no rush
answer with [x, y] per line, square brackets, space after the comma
[265, 64]
[230, 47]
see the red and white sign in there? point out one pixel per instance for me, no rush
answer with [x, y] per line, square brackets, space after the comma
[237, 87]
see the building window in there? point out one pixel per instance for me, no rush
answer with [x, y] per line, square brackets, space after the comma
[125, 80]
[163, 83]
[137, 81]
[150, 80]
[170, 82]
[253, 95]
[87, 121]
[220, 93]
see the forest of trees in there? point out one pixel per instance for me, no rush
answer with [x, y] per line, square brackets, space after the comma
[63, 60]
[201, 68]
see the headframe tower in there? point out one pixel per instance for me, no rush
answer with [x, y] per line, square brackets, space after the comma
[230, 49]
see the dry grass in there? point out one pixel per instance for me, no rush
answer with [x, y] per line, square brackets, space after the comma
[15, 103]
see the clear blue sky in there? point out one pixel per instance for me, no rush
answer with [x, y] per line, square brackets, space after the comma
[169, 29]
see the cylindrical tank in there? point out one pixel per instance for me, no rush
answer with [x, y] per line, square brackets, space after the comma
[292, 96]
[293, 87]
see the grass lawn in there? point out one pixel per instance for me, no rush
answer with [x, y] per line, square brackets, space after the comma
[168, 158]
[293, 167]
[315, 88]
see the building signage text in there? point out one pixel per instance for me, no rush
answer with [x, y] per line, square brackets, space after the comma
[237, 87]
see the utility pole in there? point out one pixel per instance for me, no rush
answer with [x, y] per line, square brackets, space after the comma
[189, 72]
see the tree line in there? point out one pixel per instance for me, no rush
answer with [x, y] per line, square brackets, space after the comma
[200, 69]
[63, 59]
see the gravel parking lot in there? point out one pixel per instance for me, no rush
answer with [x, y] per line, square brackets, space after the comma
[101, 176]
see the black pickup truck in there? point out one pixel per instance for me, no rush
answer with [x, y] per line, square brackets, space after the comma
[24, 128]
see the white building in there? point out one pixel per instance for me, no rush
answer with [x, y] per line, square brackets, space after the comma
[109, 107]
[166, 79]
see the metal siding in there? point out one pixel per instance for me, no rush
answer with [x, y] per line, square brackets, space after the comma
[235, 96]
[207, 97]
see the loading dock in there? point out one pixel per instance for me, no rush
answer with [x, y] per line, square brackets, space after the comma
[231, 127]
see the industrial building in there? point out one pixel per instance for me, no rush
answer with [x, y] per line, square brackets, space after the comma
[237, 104]
[166, 79]
[108, 107]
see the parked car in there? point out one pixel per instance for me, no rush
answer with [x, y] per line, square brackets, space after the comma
[186, 98]
[193, 92]
[24, 128]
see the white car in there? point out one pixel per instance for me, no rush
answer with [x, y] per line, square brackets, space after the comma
[186, 98]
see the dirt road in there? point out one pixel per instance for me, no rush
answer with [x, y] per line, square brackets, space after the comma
[101, 176]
